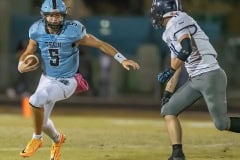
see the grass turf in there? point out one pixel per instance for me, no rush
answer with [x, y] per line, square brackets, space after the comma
[119, 137]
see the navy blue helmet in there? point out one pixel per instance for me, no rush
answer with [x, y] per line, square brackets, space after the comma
[161, 9]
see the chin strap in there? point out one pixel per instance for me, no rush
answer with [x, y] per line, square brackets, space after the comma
[55, 28]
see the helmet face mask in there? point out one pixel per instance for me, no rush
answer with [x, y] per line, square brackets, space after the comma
[54, 12]
[54, 20]
[161, 8]
[157, 17]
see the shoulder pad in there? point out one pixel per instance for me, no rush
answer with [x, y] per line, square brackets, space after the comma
[182, 21]
[35, 28]
[74, 24]
[76, 27]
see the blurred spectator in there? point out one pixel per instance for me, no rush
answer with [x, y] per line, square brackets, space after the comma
[113, 7]
[21, 82]
[77, 8]
[105, 76]
[85, 67]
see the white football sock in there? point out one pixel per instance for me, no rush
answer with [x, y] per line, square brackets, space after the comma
[37, 136]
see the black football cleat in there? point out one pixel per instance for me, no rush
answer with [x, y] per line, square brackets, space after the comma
[177, 158]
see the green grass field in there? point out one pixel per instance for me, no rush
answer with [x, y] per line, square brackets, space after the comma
[119, 135]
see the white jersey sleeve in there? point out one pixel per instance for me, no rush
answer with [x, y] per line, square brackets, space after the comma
[203, 56]
[184, 25]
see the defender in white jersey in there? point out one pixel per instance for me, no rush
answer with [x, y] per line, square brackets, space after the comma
[58, 40]
[190, 46]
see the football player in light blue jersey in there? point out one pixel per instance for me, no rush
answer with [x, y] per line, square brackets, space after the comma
[189, 46]
[58, 40]
[59, 53]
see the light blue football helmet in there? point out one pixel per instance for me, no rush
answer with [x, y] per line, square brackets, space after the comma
[53, 7]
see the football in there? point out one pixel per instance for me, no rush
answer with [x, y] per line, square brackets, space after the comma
[31, 60]
[30, 63]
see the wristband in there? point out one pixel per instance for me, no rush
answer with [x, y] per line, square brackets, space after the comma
[19, 64]
[119, 57]
[172, 70]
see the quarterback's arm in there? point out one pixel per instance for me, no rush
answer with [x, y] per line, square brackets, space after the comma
[28, 61]
[92, 41]
[31, 49]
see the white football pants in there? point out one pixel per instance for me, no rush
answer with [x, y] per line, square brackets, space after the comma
[49, 91]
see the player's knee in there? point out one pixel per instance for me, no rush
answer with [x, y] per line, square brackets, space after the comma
[221, 126]
[166, 111]
[38, 99]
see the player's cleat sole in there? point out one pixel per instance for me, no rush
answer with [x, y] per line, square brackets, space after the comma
[176, 158]
[55, 149]
[31, 147]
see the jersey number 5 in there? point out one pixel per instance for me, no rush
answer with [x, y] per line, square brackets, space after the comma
[54, 55]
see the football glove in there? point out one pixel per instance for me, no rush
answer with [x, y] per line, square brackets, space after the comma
[165, 98]
[166, 75]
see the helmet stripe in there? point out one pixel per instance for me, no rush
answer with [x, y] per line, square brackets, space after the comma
[54, 4]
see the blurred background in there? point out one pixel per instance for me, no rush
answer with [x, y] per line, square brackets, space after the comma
[127, 26]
